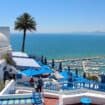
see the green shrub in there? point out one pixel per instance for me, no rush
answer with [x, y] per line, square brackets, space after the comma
[1, 85]
[9, 59]
[94, 78]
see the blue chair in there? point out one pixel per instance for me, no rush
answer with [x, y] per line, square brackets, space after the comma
[85, 101]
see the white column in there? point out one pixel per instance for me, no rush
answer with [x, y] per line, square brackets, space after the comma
[60, 100]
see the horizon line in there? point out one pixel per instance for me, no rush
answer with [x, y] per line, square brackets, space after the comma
[55, 32]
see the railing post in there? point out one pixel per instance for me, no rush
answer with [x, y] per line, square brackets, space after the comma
[83, 84]
[89, 85]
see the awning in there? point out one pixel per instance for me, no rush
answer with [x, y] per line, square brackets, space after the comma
[33, 72]
[45, 70]
[19, 54]
[26, 62]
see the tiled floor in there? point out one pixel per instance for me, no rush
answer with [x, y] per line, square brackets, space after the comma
[54, 101]
[79, 104]
[51, 101]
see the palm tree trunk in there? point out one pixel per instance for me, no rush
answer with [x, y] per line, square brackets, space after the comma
[23, 43]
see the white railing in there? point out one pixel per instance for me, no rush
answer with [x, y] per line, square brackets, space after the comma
[10, 87]
[16, 96]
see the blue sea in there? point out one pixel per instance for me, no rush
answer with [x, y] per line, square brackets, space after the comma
[60, 46]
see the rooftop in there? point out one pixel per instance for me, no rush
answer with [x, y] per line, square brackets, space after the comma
[26, 62]
[19, 54]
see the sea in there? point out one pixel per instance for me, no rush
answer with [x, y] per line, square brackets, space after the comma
[63, 46]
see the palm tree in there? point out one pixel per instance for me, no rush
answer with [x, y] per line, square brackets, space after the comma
[25, 23]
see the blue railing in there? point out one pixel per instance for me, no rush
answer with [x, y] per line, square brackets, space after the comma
[71, 85]
[75, 85]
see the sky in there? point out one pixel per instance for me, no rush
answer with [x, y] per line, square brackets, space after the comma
[56, 16]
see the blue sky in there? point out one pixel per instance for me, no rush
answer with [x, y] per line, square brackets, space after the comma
[56, 16]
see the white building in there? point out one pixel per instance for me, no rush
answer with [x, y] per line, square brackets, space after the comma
[4, 41]
[5, 47]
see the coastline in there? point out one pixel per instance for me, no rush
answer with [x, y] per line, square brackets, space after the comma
[71, 49]
[94, 64]
[77, 59]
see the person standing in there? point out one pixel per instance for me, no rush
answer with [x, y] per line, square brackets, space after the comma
[36, 85]
[40, 84]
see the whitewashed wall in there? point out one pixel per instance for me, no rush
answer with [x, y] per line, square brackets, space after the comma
[7, 49]
[2, 64]
[5, 31]
[72, 99]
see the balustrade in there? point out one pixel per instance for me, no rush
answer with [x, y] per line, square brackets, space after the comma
[75, 85]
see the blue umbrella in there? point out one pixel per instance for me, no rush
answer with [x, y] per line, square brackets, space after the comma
[45, 70]
[65, 75]
[31, 72]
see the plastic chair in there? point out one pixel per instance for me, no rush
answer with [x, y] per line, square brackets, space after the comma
[85, 101]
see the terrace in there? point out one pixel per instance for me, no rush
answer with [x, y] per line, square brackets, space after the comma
[60, 92]
[64, 97]
[67, 89]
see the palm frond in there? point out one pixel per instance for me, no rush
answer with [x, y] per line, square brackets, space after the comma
[25, 22]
